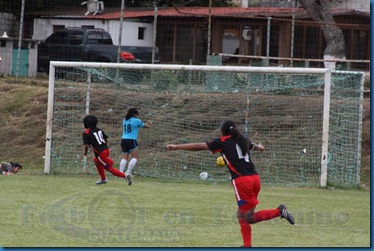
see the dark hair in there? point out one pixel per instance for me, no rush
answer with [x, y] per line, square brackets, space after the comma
[18, 165]
[228, 127]
[90, 121]
[131, 112]
[14, 164]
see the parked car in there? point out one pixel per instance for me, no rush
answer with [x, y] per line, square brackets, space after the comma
[92, 45]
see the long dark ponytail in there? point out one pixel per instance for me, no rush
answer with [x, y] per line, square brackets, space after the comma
[131, 112]
[229, 128]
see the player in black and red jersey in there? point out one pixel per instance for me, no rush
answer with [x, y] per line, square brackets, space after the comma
[96, 139]
[235, 149]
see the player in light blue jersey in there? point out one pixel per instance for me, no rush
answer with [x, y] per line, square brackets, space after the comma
[129, 144]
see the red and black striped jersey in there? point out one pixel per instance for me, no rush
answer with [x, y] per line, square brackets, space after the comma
[96, 139]
[239, 164]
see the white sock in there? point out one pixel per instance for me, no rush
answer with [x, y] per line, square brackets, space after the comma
[132, 164]
[122, 165]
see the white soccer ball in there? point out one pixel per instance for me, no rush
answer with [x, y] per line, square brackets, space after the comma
[203, 175]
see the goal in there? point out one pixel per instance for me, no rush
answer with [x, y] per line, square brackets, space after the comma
[309, 119]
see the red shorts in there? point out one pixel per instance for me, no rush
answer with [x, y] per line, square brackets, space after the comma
[246, 191]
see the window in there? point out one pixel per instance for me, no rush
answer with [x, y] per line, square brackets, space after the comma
[58, 38]
[88, 26]
[58, 27]
[107, 39]
[76, 37]
[141, 31]
[99, 38]
[95, 38]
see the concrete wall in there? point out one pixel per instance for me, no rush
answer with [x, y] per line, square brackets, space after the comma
[6, 53]
[6, 57]
[33, 59]
[6, 24]
[44, 27]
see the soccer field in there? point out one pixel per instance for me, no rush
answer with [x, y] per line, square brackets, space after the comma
[62, 211]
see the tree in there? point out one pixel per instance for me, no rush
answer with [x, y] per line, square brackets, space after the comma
[320, 11]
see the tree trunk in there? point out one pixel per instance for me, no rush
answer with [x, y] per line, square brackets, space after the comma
[320, 11]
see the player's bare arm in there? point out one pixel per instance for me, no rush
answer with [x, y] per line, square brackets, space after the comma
[148, 124]
[258, 147]
[85, 150]
[188, 147]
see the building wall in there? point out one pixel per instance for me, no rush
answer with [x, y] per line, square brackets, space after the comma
[44, 27]
[6, 57]
[6, 23]
[6, 53]
[361, 5]
[33, 59]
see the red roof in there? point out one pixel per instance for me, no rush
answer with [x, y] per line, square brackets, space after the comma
[203, 12]
[198, 12]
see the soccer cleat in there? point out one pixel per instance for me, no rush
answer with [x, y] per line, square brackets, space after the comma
[129, 178]
[286, 214]
[100, 181]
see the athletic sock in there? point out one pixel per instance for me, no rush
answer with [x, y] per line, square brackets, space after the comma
[115, 172]
[265, 215]
[132, 164]
[246, 231]
[101, 172]
[122, 165]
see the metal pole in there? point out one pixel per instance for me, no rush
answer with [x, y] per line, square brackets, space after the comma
[325, 129]
[154, 32]
[120, 30]
[20, 37]
[209, 30]
[88, 93]
[359, 131]
[292, 38]
[48, 137]
[268, 40]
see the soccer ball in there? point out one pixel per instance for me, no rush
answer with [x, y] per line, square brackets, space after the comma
[220, 161]
[203, 175]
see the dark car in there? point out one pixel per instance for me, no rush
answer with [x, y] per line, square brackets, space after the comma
[92, 45]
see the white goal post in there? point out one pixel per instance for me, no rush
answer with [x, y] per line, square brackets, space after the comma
[324, 72]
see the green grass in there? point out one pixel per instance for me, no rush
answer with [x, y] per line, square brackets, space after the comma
[62, 211]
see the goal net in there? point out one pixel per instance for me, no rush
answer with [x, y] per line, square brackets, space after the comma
[309, 120]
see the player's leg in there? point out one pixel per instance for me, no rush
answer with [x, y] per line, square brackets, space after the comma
[134, 159]
[268, 214]
[254, 217]
[108, 164]
[125, 155]
[245, 229]
[246, 196]
[101, 171]
[122, 164]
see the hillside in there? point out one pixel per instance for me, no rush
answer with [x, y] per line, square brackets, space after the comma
[23, 115]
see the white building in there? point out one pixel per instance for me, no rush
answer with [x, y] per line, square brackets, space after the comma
[133, 33]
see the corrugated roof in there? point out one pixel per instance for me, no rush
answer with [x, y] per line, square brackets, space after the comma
[201, 12]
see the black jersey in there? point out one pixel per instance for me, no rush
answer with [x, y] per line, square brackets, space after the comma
[238, 164]
[96, 139]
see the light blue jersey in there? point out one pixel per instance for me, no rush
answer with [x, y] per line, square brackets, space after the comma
[131, 128]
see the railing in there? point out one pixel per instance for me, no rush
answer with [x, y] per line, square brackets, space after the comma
[265, 60]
